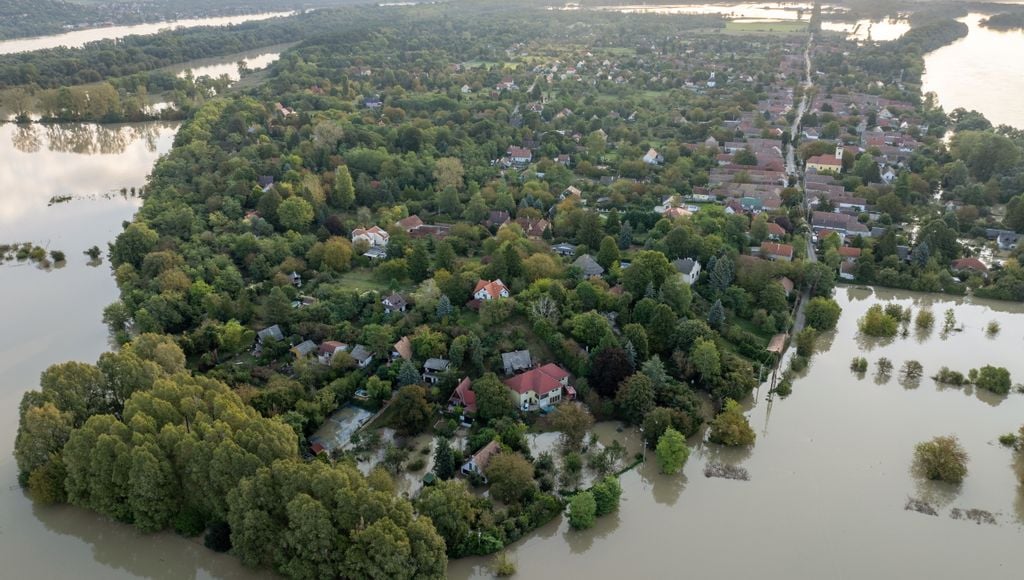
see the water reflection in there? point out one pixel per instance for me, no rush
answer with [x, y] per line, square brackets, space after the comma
[665, 489]
[581, 542]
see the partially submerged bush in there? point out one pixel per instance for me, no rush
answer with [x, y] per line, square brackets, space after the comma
[941, 459]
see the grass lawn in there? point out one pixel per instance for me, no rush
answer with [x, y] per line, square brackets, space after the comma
[363, 279]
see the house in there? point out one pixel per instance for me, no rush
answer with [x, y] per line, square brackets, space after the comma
[402, 349]
[565, 250]
[969, 266]
[825, 163]
[464, 396]
[362, 356]
[542, 386]
[564, 160]
[374, 236]
[689, 270]
[477, 464]
[327, 350]
[588, 266]
[269, 333]
[394, 303]
[1008, 241]
[849, 254]
[433, 368]
[410, 223]
[303, 349]
[534, 228]
[786, 284]
[296, 279]
[775, 251]
[519, 155]
[466, 89]
[497, 218]
[490, 290]
[516, 361]
[775, 231]
[847, 270]
[652, 157]
[570, 192]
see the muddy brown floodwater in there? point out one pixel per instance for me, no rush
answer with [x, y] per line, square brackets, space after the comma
[829, 475]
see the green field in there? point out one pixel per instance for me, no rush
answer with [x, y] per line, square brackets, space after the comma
[362, 279]
[771, 27]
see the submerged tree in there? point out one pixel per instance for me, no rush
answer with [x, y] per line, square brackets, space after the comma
[942, 459]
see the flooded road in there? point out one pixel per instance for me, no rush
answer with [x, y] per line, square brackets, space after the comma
[78, 38]
[829, 475]
[52, 316]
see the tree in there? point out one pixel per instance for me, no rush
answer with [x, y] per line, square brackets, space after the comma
[408, 374]
[295, 214]
[444, 307]
[822, 313]
[607, 493]
[510, 476]
[716, 316]
[582, 510]
[444, 459]
[493, 399]
[876, 322]
[609, 253]
[805, 340]
[745, 156]
[942, 458]
[672, 451]
[609, 366]
[995, 379]
[42, 433]
[722, 273]
[574, 422]
[730, 427]
[661, 418]
[705, 359]
[412, 410]
[132, 245]
[649, 268]
[344, 193]
[590, 328]
[635, 398]
[448, 172]
[452, 509]
[625, 239]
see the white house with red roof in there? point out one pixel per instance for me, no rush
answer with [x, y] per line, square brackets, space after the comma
[374, 236]
[543, 386]
[490, 290]
[774, 251]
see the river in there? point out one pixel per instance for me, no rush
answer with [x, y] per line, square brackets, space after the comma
[983, 71]
[828, 475]
[51, 316]
[78, 38]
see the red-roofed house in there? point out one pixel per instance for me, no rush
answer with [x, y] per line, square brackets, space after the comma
[775, 231]
[969, 265]
[773, 251]
[849, 254]
[541, 386]
[464, 396]
[490, 290]
[478, 463]
[374, 236]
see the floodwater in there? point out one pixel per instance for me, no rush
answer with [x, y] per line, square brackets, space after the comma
[78, 38]
[774, 11]
[982, 71]
[214, 68]
[876, 30]
[829, 475]
[51, 316]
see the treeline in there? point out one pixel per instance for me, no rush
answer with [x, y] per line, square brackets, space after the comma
[1005, 21]
[105, 59]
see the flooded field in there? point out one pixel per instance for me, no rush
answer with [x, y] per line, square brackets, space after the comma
[829, 474]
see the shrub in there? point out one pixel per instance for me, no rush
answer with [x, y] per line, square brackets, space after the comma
[416, 464]
[859, 364]
[730, 427]
[607, 493]
[878, 323]
[582, 511]
[672, 451]
[925, 319]
[189, 522]
[805, 341]
[995, 379]
[941, 459]
[949, 377]
[798, 363]
[1008, 439]
[823, 313]
[503, 565]
[993, 328]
